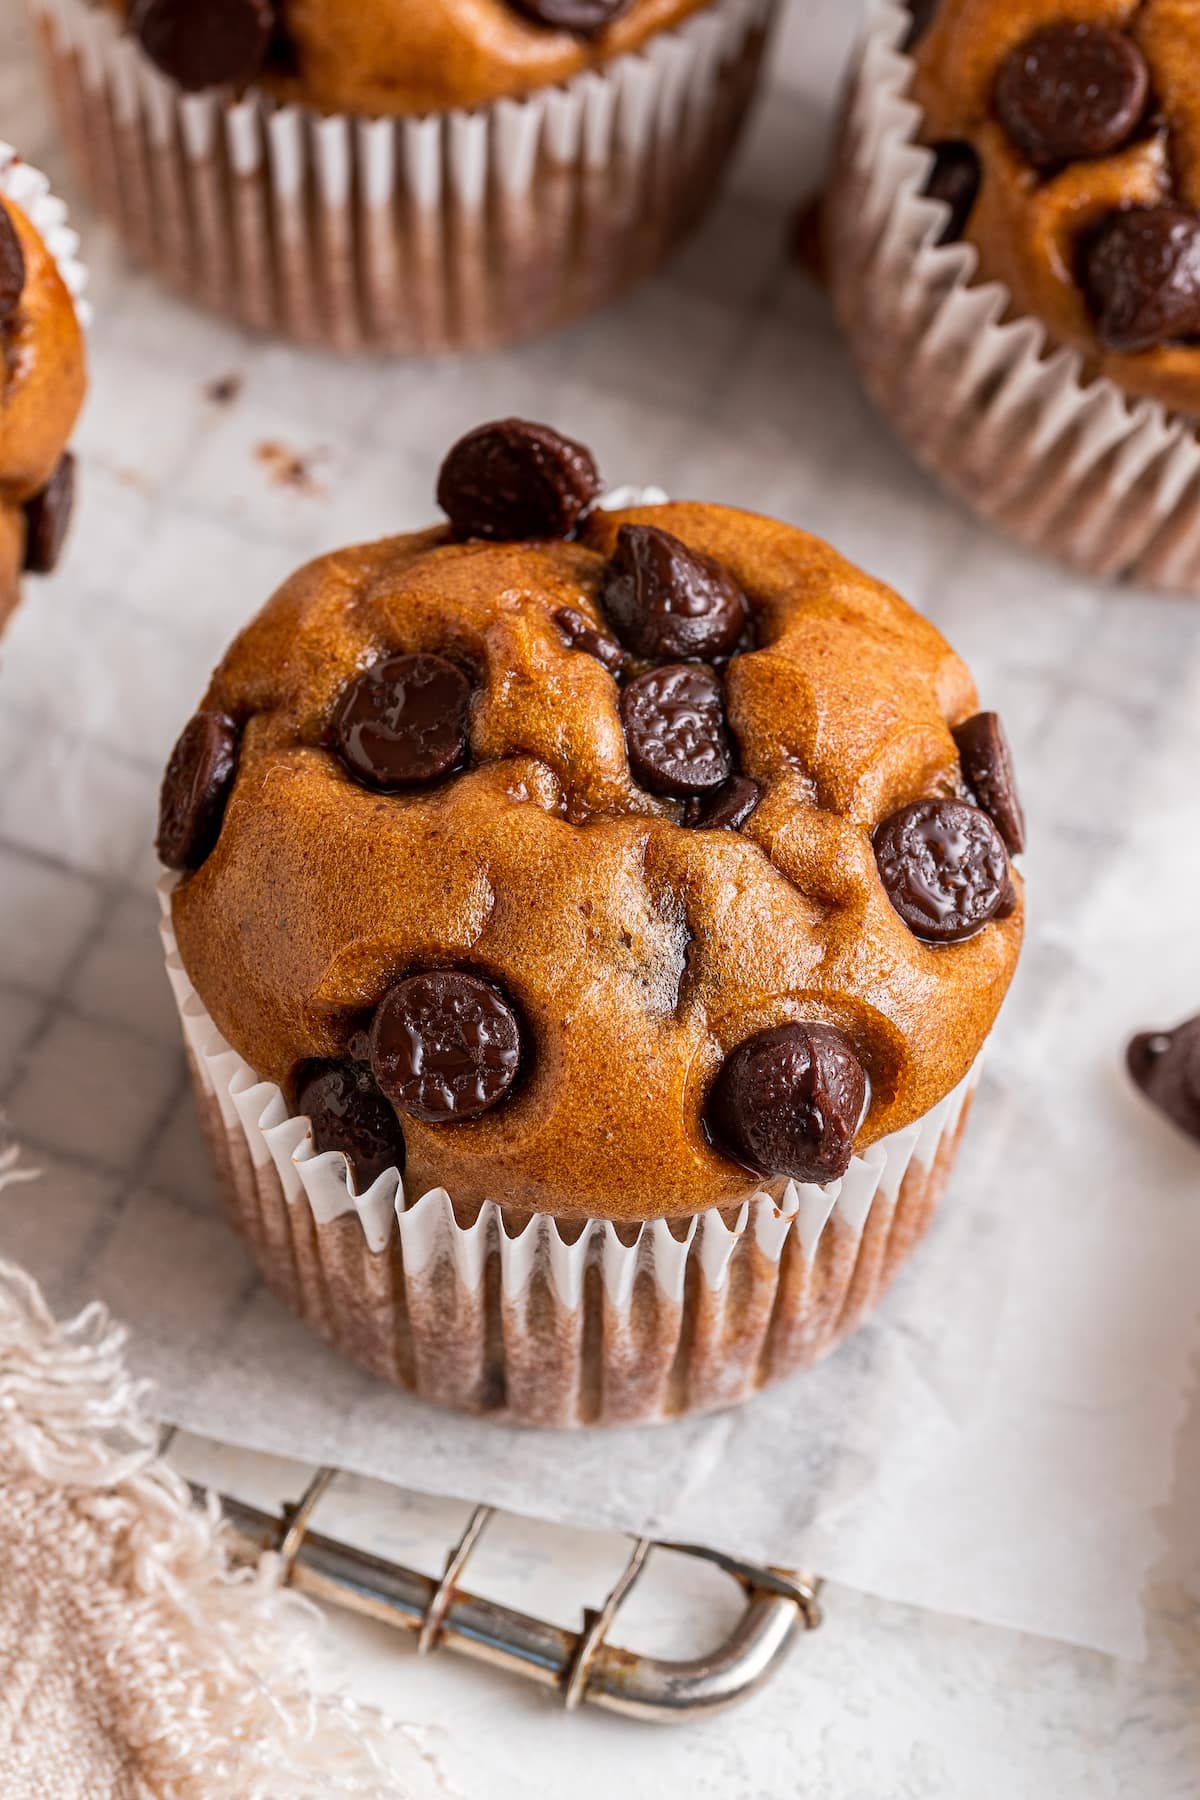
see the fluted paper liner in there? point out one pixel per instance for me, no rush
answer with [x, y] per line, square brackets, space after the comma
[1073, 467]
[455, 230]
[544, 1324]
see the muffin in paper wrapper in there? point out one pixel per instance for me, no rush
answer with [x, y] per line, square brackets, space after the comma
[449, 231]
[541, 1323]
[1072, 467]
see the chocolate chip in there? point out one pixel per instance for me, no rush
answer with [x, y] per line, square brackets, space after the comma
[579, 635]
[1141, 275]
[954, 179]
[1072, 90]
[48, 516]
[987, 766]
[512, 480]
[945, 869]
[788, 1102]
[666, 602]
[583, 16]
[1166, 1066]
[195, 790]
[347, 1112]
[205, 45]
[404, 723]
[445, 1046]
[727, 809]
[674, 720]
[12, 267]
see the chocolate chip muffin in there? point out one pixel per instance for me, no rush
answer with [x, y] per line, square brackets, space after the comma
[478, 170]
[597, 868]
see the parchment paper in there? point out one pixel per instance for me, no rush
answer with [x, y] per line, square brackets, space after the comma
[998, 1441]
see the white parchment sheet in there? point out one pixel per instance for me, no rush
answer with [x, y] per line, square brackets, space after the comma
[1001, 1440]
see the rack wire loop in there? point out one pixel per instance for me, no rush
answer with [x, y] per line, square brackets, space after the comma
[598, 1624]
[456, 1562]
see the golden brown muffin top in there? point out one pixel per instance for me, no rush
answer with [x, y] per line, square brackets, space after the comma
[1080, 187]
[385, 57]
[638, 941]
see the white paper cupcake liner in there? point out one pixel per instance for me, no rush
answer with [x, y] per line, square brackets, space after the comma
[547, 1325]
[29, 189]
[1072, 467]
[457, 230]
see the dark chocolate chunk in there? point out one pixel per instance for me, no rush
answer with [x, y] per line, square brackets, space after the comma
[1072, 90]
[404, 723]
[789, 1101]
[945, 868]
[727, 809]
[1166, 1066]
[195, 790]
[205, 43]
[48, 516]
[1141, 276]
[347, 1112]
[987, 766]
[512, 480]
[667, 603]
[445, 1046]
[674, 720]
[579, 635]
[954, 179]
[12, 267]
[586, 17]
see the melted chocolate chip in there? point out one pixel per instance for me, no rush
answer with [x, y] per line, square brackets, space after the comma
[445, 1046]
[348, 1113]
[512, 480]
[48, 516]
[954, 179]
[12, 267]
[674, 720]
[788, 1102]
[1072, 90]
[1141, 275]
[1166, 1066]
[586, 17]
[945, 869]
[195, 790]
[205, 45]
[579, 635]
[404, 723]
[727, 809]
[987, 766]
[667, 603]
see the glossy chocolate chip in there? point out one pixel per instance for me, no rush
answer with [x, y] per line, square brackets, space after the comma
[205, 43]
[577, 634]
[404, 723]
[945, 868]
[789, 1101]
[195, 790]
[1072, 90]
[348, 1113]
[954, 179]
[1166, 1066]
[727, 809]
[12, 267]
[513, 480]
[445, 1046]
[987, 767]
[1141, 276]
[674, 720]
[48, 517]
[583, 16]
[667, 603]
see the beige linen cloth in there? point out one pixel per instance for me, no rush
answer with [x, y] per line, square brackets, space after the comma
[133, 1663]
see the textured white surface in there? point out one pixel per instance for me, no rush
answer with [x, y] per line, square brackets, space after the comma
[722, 378]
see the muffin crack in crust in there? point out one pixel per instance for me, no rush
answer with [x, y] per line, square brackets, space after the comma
[436, 784]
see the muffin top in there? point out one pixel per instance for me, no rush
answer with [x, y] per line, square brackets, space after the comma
[39, 402]
[606, 864]
[383, 57]
[1068, 137]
